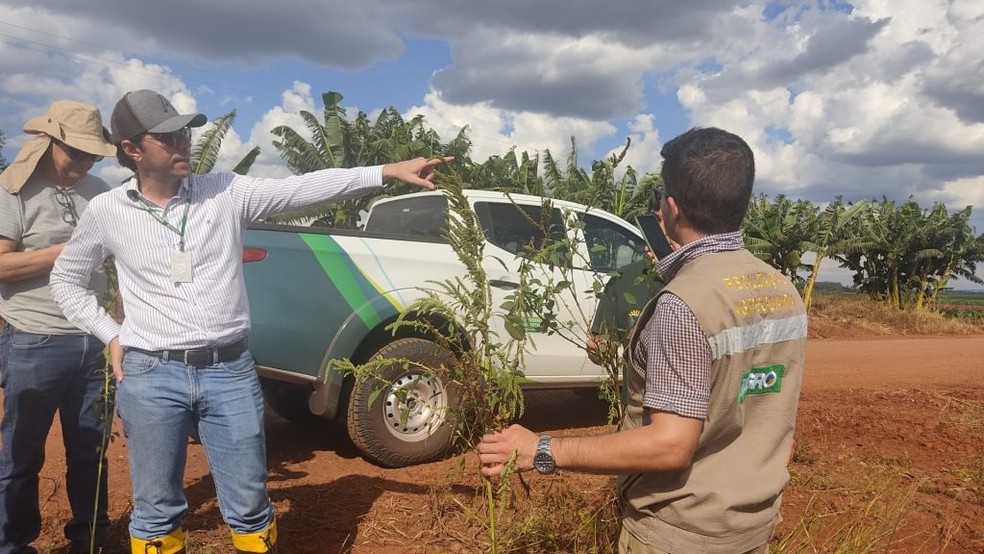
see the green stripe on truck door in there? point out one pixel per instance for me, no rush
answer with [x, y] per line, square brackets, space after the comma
[345, 276]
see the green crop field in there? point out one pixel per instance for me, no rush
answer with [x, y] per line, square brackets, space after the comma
[965, 305]
[971, 298]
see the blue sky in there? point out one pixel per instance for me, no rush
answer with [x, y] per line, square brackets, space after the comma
[864, 99]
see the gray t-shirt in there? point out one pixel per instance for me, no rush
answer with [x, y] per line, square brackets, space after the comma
[37, 217]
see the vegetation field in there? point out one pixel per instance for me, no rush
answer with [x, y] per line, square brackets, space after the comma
[889, 458]
[968, 306]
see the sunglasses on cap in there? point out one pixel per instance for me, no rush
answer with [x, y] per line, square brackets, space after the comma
[78, 155]
[170, 140]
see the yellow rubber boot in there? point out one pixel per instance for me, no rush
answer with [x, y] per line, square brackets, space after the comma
[172, 543]
[252, 543]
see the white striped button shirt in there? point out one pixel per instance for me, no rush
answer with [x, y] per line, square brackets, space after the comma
[211, 310]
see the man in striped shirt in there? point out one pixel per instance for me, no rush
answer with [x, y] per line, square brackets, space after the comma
[180, 357]
[713, 372]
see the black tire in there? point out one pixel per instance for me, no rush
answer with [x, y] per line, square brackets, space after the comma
[395, 433]
[288, 401]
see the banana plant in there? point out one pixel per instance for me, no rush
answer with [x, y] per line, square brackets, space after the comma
[958, 253]
[833, 237]
[779, 232]
[337, 141]
[512, 173]
[205, 151]
[901, 247]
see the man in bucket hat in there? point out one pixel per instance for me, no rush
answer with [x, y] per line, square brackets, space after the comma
[180, 356]
[47, 364]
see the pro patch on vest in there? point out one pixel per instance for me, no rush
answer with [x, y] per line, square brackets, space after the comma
[761, 380]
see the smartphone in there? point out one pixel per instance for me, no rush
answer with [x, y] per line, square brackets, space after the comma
[653, 233]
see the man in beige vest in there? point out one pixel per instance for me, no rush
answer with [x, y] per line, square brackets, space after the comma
[713, 372]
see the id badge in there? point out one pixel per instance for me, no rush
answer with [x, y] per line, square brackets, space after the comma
[181, 266]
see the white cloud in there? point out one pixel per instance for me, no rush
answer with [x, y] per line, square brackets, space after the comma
[269, 163]
[588, 76]
[494, 131]
[643, 154]
[968, 191]
[884, 98]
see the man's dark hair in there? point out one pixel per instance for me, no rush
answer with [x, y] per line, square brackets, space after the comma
[709, 173]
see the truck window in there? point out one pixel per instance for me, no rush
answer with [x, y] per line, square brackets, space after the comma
[424, 216]
[518, 229]
[610, 246]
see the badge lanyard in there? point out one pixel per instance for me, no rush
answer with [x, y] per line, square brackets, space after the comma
[182, 269]
[152, 210]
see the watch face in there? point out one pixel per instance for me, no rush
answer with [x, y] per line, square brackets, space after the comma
[543, 462]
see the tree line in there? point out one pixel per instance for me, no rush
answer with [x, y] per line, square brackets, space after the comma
[900, 253]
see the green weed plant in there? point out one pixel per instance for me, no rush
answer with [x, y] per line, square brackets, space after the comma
[461, 316]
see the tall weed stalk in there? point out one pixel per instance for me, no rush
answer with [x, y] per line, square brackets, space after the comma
[460, 315]
[104, 407]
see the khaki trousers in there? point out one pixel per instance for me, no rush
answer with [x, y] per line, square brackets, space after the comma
[628, 544]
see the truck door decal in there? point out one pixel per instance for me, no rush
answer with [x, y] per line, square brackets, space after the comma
[354, 285]
[397, 303]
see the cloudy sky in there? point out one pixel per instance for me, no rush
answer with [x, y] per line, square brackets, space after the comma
[863, 99]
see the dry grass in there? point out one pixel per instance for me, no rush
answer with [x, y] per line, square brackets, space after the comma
[869, 523]
[830, 315]
[562, 513]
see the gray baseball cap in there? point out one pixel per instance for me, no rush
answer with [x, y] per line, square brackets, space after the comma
[146, 111]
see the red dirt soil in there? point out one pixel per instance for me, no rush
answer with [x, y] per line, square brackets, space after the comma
[884, 424]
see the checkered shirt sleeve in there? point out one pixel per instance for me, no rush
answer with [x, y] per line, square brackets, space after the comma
[677, 360]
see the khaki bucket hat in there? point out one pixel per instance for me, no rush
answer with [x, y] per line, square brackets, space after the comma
[73, 123]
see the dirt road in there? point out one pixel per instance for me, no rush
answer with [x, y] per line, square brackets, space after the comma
[867, 405]
[892, 363]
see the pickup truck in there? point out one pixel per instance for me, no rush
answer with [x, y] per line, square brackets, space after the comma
[318, 295]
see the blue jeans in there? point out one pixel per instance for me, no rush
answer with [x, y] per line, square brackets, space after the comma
[160, 403]
[42, 374]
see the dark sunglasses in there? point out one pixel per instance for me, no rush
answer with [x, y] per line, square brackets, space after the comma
[78, 155]
[172, 139]
[67, 203]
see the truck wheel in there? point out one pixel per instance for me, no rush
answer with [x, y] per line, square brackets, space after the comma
[411, 421]
[288, 401]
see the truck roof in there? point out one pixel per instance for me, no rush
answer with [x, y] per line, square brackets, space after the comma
[479, 194]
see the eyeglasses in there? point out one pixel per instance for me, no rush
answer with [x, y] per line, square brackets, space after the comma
[173, 139]
[67, 203]
[78, 155]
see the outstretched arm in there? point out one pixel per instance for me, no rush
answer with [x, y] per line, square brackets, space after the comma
[261, 197]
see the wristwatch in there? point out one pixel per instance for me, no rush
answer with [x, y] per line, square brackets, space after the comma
[543, 460]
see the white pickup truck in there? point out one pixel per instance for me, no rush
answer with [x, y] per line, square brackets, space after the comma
[318, 295]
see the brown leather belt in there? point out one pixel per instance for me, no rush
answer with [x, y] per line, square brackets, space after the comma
[199, 357]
